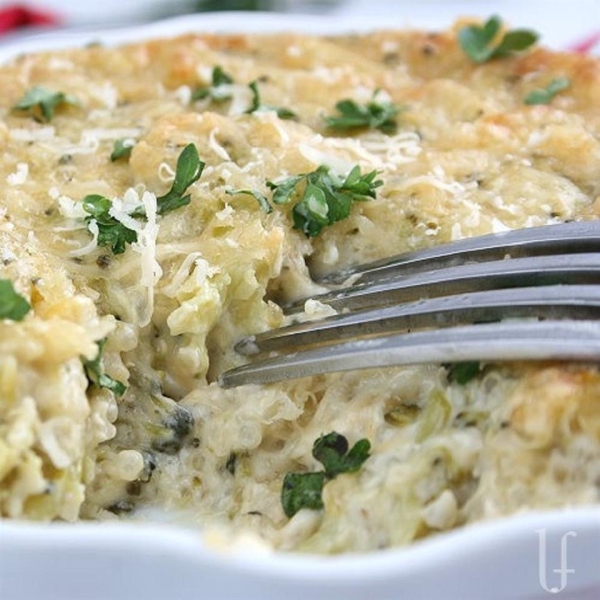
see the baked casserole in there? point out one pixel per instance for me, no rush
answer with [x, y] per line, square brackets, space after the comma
[163, 199]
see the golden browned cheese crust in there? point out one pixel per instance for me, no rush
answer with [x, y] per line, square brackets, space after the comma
[469, 157]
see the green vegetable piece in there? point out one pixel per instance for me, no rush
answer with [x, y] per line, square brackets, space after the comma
[545, 95]
[12, 305]
[188, 171]
[477, 41]
[110, 231]
[175, 425]
[302, 490]
[96, 376]
[231, 463]
[216, 90]
[42, 102]
[262, 201]
[326, 199]
[463, 372]
[122, 149]
[332, 452]
[257, 105]
[434, 416]
[372, 115]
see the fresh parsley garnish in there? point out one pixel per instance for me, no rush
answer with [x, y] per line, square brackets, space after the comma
[122, 149]
[12, 305]
[113, 233]
[304, 490]
[375, 114]
[262, 201]
[257, 105]
[94, 371]
[188, 171]
[481, 42]
[545, 95]
[41, 102]
[336, 456]
[463, 372]
[325, 198]
[217, 90]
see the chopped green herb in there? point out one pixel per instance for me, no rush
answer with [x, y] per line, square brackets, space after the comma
[374, 114]
[481, 43]
[111, 232]
[325, 199]
[115, 234]
[262, 201]
[122, 149]
[42, 102]
[332, 452]
[217, 90]
[545, 95]
[463, 372]
[188, 171]
[96, 375]
[304, 490]
[12, 305]
[257, 105]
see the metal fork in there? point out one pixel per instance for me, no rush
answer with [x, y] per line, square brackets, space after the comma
[529, 294]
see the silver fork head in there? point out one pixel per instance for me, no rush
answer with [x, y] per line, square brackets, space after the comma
[528, 340]
[577, 302]
[381, 313]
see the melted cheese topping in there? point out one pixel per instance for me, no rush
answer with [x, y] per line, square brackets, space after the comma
[468, 158]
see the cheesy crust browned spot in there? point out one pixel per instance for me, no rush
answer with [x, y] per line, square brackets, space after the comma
[469, 157]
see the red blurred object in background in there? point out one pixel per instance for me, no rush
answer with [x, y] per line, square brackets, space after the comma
[588, 44]
[16, 16]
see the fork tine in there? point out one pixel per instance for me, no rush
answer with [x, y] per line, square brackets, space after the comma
[580, 236]
[517, 272]
[512, 340]
[554, 302]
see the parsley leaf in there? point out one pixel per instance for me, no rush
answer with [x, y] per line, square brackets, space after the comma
[332, 452]
[188, 171]
[302, 490]
[463, 372]
[373, 115]
[110, 231]
[122, 149]
[477, 41]
[217, 90]
[257, 105]
[96, 375]
[305, 490]
[325, 199]
[115, 234]
[12, 305]
[41, 102]
[545, 95]
[262, 201]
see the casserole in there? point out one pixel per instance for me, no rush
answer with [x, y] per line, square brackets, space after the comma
[315, 575]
